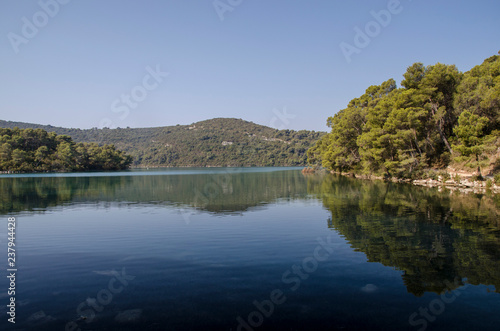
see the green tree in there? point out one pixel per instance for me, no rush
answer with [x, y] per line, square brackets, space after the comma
[5, 153]
[42, 160]
[339, 149]
[479, 92]
[435, 88]
[19, 159]
[413, 75]
[390, 142]
[470, 131]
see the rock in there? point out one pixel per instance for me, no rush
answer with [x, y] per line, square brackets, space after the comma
[40, 318]
[369, 288]
[129, 316]
[307, 170]
[466, 183]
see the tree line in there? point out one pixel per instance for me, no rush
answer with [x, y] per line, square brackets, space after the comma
[36, 150]
[438, 117]
[216, 142]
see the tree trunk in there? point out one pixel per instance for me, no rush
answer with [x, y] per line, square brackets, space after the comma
[440, 126]
[416, 142]
[441, 133]
[479, 176]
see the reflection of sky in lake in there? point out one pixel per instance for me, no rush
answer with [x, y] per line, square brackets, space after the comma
[196, 268]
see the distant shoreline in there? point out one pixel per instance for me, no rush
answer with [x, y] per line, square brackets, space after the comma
[140, 168]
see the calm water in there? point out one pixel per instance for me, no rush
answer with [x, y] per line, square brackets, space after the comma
[247, 249]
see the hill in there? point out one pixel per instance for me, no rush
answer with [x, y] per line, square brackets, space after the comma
[210, 143]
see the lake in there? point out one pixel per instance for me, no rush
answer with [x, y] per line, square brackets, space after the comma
[247, 249]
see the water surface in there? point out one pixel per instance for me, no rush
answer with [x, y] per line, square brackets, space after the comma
[248, 249]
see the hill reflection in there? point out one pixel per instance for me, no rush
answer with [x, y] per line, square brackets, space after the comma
[216, 192]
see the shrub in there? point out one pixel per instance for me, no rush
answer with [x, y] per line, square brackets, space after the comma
[497, 179]
[444, 175]
[477, 177]
[443, 160]
[432, 175]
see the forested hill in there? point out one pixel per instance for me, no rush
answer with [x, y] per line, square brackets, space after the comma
[440, 117]
[215, 142]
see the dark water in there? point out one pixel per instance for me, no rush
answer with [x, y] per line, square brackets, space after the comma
[247, 249]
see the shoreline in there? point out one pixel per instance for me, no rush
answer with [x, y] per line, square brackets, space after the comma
[458, 182]
[8, 172]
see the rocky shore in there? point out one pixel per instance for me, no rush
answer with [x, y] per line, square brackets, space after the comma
[452, 180]
[462, 184]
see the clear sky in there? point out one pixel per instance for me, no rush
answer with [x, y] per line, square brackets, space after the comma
[279, 63]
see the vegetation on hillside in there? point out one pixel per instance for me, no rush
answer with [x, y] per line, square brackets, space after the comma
[36, 150]
[210, 143]
[438, 117]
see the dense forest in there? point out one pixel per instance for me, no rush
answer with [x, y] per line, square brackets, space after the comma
[36, 150]
[439, 117]
[210, 143]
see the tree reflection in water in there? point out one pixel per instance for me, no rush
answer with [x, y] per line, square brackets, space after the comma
[433, 237]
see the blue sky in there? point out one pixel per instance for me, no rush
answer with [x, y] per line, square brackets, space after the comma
[274, 62]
